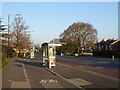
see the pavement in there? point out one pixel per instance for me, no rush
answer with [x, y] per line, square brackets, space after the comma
[30, 74]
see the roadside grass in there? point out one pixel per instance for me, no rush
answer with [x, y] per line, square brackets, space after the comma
[16, 59]
[3, 64]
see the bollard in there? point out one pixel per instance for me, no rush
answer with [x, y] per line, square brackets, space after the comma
[62, 54]
[24, 54]
[113, 57]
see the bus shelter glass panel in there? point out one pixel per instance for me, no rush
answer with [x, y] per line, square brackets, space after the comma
[52, 56]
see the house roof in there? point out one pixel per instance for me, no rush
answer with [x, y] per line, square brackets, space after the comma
[109, 41]
[117, 41]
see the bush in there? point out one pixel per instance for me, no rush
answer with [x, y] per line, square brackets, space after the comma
[9, 51]
[88, 51]
[117, 54]
[4, 63]
[12, 53]
[20, 54]
[4, 56]
[27, 54]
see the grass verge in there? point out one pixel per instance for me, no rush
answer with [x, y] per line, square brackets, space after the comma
[3, 64]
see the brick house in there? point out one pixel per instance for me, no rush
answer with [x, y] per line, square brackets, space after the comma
[116, 45]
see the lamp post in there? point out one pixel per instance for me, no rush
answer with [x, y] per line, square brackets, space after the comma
[17, 37]
[8, 28]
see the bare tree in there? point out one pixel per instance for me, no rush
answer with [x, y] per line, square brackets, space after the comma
[80, 34]
[20, 36]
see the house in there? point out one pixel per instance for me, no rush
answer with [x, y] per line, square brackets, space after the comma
[108, 44]
[104, 45]
[116, 45]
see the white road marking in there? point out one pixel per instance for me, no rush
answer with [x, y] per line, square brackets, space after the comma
[1, 75]
[9, 80]
[27, 80]
[79, 81]
[48, 81]
[24, 69]
[4, 67]
[64, 78]
[19, 84]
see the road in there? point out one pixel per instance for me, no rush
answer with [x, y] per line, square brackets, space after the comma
[30, 74]
[93, 61]
[100, 72]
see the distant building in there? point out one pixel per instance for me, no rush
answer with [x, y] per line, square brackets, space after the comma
[104, 45]
[37, 45]
[57, 41]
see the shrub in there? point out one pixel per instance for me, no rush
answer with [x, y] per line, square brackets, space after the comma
[27, 54]
[20, 54]
[4, 56]
[9, 52]
[117, 54]
[88, 51]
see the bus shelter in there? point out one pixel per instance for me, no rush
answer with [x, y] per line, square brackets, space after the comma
[49, 55]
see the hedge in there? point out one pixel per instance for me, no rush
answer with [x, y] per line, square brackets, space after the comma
[107, 53]
[9, 52]
[4, 56]
[22, 54]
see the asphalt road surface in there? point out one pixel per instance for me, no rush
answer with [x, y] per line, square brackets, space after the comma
[30, 74]
[100, 72]
[93, 61]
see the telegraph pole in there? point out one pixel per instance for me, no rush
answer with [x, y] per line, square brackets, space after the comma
[8, 28]
[17, 16]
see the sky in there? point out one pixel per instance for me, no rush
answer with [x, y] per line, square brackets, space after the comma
[47, 20]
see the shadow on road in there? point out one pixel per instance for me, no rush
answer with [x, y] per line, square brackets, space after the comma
[18, 65]
[30, 63]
